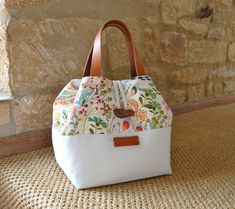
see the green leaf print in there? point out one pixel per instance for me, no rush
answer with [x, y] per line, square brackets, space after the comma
[91, 131]
[98, 122]
[92, 119]
[148, 93]
[104, 125]
[141, 100]
[148, 106]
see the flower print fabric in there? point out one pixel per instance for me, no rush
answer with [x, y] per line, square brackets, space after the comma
[88, 107]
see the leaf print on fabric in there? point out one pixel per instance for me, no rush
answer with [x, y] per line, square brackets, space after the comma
[153, 106]
[148, 93]
[150, 107]
[98, 124]
[83, 98]
[89, 108]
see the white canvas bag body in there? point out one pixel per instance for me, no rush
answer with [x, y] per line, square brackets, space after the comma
[107, 132]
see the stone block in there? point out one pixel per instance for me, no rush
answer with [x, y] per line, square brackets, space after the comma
[197, 28]
[222, 72]
[207, 51]
[152, 12]
[231, 52]
[229, 87]
[173, 48]
[216, 33]
[151, 46]
[218, 87]
[4, 113]
[224, 16]
[189, 75]
[172, 10]
[48, 52]
[227, 3]
[33, 112]
[4, 72]
[196, 92]
[4, 60]
[15, 4]
[176, 96]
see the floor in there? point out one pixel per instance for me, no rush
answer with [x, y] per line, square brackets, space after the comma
[203, 159]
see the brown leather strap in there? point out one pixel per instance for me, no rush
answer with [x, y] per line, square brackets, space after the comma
[93, 65]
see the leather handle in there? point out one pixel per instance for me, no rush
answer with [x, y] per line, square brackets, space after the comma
[93, 65]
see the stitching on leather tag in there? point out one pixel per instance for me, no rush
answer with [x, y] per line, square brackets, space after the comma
[126, 141]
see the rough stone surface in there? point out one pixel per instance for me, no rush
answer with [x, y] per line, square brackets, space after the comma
[4, 61]
[231, 52]
[223, 72]
[215, 85]
[33, 112]
[229, 87]
[4, 113]
[175, 96]
[173, 48]
[56, 9]
[194, 27]
[152, 16]
[196, 92]
[21, 3]
[225, 16]
[4, 69]
[172, 10]
[227, 3]
[216, 33]
[151, 49]
[218, 87]
[232, 33]
[207, 51]
[209, 88]
[160, 78]
[189, 76]
[49, 52]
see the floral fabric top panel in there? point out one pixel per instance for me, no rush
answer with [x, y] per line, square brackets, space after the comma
[90, 106]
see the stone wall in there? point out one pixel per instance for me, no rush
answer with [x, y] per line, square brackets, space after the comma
[187, 46]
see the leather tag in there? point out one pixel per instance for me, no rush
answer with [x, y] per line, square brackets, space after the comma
[126, 141]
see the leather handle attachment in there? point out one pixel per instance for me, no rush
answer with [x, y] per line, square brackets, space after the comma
[93, 64]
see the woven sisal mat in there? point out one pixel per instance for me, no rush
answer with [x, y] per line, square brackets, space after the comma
[203, 161]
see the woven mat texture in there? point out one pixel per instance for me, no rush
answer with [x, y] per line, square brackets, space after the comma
[203, 162]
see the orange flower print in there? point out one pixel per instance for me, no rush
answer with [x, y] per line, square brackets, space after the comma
[142, 114]
[133, 104]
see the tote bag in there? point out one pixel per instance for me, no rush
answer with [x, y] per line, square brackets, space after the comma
[110, 131]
